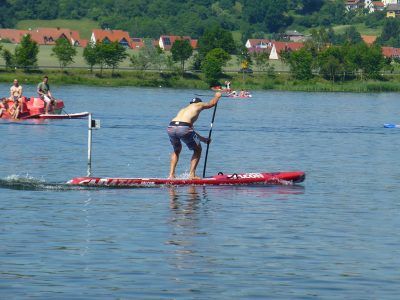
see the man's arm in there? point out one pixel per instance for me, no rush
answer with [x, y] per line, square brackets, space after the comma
[39, 89]
[202, 138]
[49, 93]
[213, 101]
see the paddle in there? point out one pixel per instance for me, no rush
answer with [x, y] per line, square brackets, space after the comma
[209, 137]
[222, 96]
[66, 113]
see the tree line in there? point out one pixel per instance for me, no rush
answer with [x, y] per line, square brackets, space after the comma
[152, 18]
[334, 56]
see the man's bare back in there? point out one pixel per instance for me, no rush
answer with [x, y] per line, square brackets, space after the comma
[181, 128]
[191, 113]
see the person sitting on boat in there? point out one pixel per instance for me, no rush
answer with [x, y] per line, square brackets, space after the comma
[43, 90]
[242, 93]
[3, 106]
[16, 96]
[181, 129]
[232, 94]
[228, 86]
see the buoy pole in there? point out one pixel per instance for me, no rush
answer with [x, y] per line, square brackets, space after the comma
[89, 163]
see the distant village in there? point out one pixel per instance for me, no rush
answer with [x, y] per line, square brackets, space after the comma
[293, 40]
[391, 6]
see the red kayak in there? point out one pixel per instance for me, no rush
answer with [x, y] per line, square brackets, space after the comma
[33, 108]
[220, 179]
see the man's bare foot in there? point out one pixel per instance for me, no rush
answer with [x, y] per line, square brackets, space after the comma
[171, 176]
[194, 177]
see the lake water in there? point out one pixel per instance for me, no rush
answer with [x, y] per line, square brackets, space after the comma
[336, 236]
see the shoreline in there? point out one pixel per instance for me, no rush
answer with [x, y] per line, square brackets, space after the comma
[253, 82]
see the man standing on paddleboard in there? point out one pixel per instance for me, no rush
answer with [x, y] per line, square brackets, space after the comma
[181, 129]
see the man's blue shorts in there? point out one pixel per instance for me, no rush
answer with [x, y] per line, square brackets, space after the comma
[181, 131]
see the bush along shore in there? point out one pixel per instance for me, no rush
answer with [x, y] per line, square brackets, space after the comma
[256, 81]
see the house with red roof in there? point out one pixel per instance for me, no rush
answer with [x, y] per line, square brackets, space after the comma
[165, 42]
[49, 36]
[109, 36]
[258, 44]
[137, 43]
[12, 35]
[279, 47]
[354, 4]
[377, 6]
[391, 52]
[43, 36]
[273, 48]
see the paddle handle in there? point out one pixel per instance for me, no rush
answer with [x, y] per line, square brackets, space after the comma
[209, 138]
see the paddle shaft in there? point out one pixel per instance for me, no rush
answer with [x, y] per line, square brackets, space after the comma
[222, 96]
[66, 113]
[209, 137]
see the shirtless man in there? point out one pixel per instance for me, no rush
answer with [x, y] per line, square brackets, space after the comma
[3, 106]
[43, 90]
[16, 96]
[181, 129]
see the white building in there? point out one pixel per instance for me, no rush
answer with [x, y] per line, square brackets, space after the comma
[387, 2]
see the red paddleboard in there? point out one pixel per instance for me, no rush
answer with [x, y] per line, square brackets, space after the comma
[220, 179]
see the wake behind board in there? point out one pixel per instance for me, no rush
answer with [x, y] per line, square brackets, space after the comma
[391, 125]
[277, 178]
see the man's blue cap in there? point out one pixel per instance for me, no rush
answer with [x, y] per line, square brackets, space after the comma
[195, 100]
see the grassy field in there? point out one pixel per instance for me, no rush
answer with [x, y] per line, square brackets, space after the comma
[361, 28]
[45, 59]
[84, 26]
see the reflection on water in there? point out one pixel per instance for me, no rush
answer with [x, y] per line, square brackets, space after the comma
[186, 202]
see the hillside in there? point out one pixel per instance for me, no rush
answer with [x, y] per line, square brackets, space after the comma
[151, 18]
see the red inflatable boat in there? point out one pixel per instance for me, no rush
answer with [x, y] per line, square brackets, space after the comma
[33, 108]
[220, 179]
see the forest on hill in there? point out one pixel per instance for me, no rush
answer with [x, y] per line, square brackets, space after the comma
[151, 18]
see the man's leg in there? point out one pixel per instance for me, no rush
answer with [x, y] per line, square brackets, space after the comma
[174, 161]
[16, 112]
[46, 104]
[195, 161]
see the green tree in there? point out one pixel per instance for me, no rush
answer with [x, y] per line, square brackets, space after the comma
[320, 38]
[212, 65]
[331, 62]
[372, 61]
[8, 58]
[244, 57]
[142, 61]
[149, 56]
[350, 36]
[268, 14]
[102, 52]
[64, 52]
[216, 37]
[390, 33]
[26, 53]
[261, 60]
[181, 51]
[114, 54]
[300, 63]
[368, 61]
[90, 55]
